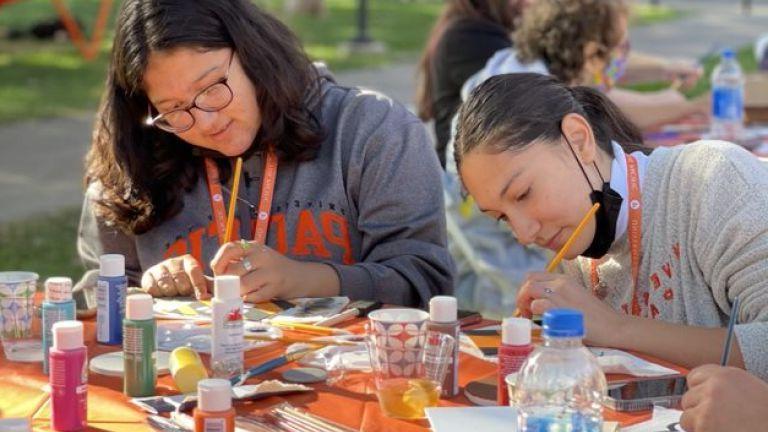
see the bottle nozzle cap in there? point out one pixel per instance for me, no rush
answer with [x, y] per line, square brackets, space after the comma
[443, 309]
[112, 265]
[516, 331]
[563, 323]
[214, 395]
[138, 307]
[226, 287]
[67, 335]
[58, 289]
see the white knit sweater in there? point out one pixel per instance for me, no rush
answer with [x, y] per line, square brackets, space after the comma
[704, 243]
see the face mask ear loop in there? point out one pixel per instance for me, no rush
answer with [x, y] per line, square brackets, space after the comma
[570, 147]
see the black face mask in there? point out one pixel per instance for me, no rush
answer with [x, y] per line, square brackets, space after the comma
[607, 215]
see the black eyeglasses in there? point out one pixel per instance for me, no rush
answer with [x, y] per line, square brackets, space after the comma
[213, 98]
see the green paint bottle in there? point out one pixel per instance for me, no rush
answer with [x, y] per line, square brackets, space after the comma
[139, 332]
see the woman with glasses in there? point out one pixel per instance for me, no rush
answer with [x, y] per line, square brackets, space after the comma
[340, 190]
[586, 42]
[679, 235]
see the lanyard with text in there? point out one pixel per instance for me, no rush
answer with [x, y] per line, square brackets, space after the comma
[265, 198]
[635, 229]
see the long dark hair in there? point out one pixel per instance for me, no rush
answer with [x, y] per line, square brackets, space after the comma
[144, 171]
[511, 111]
[500, 12]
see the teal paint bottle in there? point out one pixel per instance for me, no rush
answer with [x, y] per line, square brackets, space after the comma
[57, 306]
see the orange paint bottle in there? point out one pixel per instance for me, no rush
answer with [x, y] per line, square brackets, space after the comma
[214, 412]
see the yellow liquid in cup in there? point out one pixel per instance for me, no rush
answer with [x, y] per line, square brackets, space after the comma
[406, 398]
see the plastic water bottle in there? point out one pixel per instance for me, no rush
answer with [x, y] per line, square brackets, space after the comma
[727, 98]
[560, 387]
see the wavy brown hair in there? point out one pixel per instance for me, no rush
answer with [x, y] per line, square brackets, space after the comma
[501, 12]
[557, 31]
[144, 172]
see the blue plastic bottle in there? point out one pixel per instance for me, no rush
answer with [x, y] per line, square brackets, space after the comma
[727, 98]
[57, 306]
[561, 386]
[110, 297]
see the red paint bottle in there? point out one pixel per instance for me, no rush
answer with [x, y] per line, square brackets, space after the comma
[514, 350]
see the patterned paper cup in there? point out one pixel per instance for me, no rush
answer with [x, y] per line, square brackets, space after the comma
[17, 312]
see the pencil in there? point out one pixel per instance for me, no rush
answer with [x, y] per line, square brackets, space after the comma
[731, 323]
[563, 250]
[233, 200]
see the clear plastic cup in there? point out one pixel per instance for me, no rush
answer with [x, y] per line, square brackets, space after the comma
[409, 363]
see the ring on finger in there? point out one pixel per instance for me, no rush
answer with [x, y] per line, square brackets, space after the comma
[245, 245]
[547, 292]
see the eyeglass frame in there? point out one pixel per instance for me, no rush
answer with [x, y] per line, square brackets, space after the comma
[152, 121]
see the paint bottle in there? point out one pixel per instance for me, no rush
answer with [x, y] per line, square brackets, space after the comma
[57, 306]
[514, 350]
[214, 412]
[227, 328]
[110, 297]
[68, 377]
[443, 318]
[139, 336]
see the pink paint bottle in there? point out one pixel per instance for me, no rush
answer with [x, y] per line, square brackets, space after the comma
[68, 377]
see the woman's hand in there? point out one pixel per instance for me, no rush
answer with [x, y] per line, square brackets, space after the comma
[266, 274]
[544, 291]
[683, 74]
[178, 276]
[724, 399]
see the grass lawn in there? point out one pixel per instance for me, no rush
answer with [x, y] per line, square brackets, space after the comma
[645, 14]
[44, 245]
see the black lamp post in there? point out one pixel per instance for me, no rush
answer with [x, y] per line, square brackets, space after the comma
[362, 23]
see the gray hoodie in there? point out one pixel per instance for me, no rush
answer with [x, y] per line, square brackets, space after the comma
[370, 205]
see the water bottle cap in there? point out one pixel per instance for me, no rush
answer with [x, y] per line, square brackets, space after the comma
[563, 323]
[112, 265]
[443, 309]
[226, 287]
[58, 289]
[516, 331]
[138, 307]
[67, 335]
[728, 53]
[214, 395]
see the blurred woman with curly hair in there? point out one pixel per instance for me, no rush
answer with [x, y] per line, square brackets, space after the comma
[584, 42]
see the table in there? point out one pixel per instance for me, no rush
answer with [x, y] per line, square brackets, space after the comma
[22, 394]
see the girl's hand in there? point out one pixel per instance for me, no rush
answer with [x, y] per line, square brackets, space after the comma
[544, 291]
[178, 276]
[266, 274]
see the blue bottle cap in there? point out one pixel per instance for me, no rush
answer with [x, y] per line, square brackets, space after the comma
[563, 323]
[728, 53]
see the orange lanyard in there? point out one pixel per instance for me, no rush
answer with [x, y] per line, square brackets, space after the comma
[265, 200]
[635, 229]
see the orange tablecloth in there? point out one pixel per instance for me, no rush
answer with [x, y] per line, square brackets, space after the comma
[22, 395]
